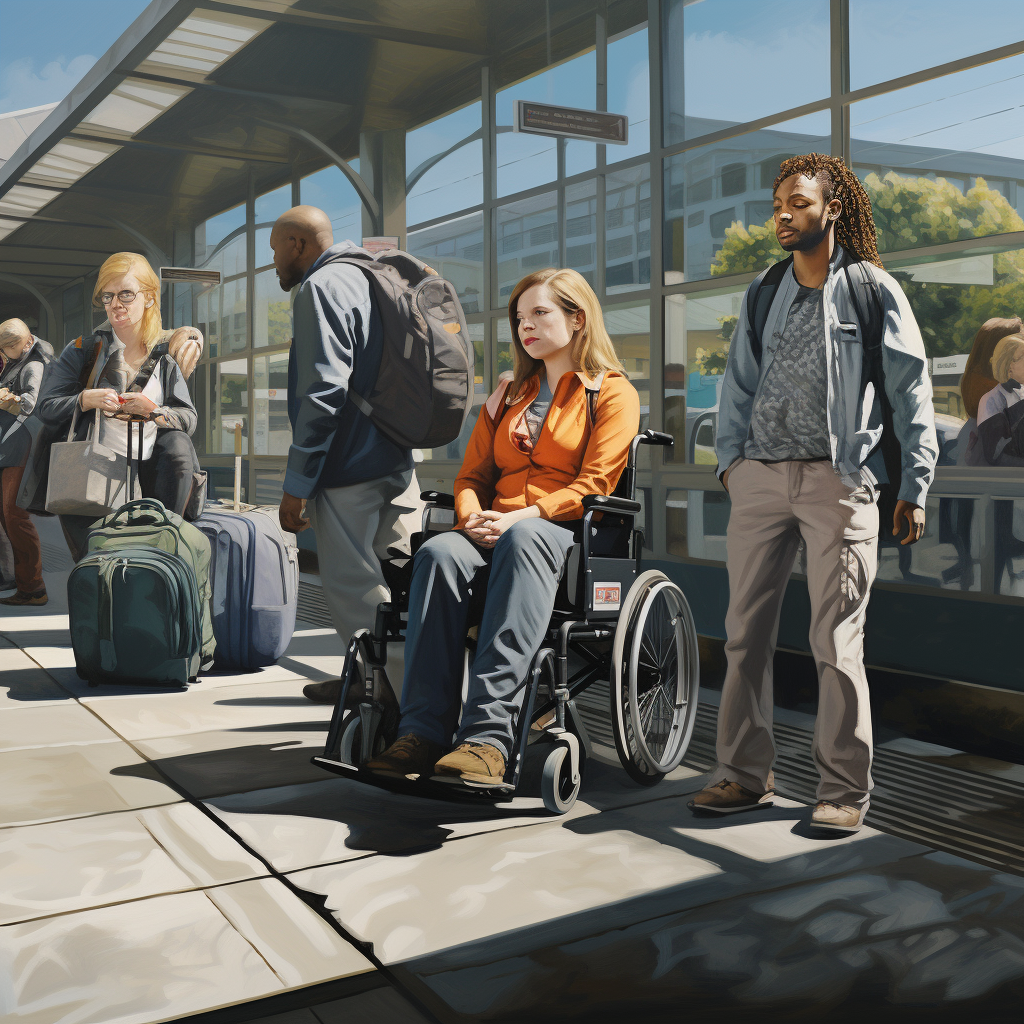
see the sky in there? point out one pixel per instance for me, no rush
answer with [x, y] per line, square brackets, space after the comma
[46, 46]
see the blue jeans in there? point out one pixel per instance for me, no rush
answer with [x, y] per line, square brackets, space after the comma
[521, 575]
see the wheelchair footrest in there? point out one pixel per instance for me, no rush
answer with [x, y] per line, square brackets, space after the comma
[422, 787]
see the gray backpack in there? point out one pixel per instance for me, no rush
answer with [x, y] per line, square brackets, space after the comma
[424, 387]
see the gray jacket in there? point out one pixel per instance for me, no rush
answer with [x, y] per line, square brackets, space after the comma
[853, 410]
[23, 377]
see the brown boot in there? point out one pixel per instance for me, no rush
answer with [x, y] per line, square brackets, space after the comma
[475, 764]
[21, 598]
[408, 755]
[727, 797]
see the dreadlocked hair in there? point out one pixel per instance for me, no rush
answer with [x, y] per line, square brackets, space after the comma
[855, 228]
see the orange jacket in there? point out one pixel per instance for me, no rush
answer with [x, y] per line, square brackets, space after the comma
[572, 457]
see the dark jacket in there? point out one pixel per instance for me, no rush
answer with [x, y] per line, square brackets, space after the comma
[338, 342]
[56, 406]
[23, 377]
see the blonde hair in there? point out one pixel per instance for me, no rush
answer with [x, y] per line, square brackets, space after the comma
[122, 263]
[592, 350]
[1005, 352]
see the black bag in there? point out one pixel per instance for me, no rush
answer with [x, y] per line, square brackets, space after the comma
[424, 388]
[870, 310]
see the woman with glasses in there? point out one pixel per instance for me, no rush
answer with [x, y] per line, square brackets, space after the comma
[129, 384]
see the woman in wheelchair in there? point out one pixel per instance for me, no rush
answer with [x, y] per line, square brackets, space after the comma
[539, 446]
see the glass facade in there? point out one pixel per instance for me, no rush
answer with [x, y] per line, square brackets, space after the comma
[671, 227]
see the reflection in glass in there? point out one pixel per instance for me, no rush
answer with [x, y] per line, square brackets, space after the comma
[333, 193]
[738, 62]
[272, 319]
[527, 239]
[272, 430]
[629, 325]
[268, 208]
[229, 406]
[718, 199]
[629, 91]
[696, 523]
[269, 486]
[627, 222]
[213, 232]
[455, 249]
[581, 228]
[1009, 548]
[456, 181]
[943, 160]
[879, 30]
[221, 317]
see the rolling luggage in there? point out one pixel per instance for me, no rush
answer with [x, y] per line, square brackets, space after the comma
[254, 575]
[139, 600]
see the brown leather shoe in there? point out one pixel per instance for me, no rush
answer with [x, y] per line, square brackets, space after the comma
[475, 764]
[408, 755]
[727, 797]
[325, 692]
[21, 598]
[835, 817]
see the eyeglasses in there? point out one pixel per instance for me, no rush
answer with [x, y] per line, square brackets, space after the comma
[126, 298]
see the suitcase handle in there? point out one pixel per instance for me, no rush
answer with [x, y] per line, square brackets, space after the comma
[140, 505]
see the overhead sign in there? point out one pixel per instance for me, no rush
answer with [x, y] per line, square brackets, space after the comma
[944, 366]
[571, 123]
[187, 275]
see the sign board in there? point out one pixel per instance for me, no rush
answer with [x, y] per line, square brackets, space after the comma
[571, 123]
[949, 366]
[380, 243]
[187, 275]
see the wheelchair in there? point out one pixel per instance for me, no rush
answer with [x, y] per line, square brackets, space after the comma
[612, 620]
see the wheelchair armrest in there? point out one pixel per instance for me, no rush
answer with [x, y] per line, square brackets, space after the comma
[610, 503]
[438, 498]
[656, 437]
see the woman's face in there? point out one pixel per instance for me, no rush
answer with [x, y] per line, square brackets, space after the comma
[121, 311]
[545, 329]
[1017, 367]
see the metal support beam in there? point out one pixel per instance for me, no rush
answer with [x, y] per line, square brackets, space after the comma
[382, 161]
[220, 152]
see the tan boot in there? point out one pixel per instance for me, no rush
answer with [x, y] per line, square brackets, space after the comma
[475, 764]
[21, 598]
[727, 797]
[835, 817]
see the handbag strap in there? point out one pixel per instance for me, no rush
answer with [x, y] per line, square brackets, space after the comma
[90, 383]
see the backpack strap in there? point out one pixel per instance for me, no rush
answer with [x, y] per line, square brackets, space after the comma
[760, 296]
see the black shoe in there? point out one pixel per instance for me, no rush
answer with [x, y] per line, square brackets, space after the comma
[325, 692]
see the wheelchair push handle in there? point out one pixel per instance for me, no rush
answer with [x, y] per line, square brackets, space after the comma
[656, 437]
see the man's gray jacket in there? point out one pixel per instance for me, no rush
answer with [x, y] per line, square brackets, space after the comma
[853, 410]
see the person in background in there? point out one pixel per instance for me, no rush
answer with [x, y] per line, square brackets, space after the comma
[359, 487]
[23, 361]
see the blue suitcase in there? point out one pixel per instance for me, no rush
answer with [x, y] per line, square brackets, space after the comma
[254, 575]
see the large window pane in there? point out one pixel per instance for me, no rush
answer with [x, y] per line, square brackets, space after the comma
[741, 60]
[229, 406]
[941, 30]
[629, 91]
[454, 182]
[455, 249]
[268, 208]
[221, 316]
[581, 228]
[944, 160]
[272, 431]
[527, 239]
[1008, 547]
[333, 193]
[526, 161]
[630, 328]
[220, 242]
[718, 199]
[627, 221]
[272, 319]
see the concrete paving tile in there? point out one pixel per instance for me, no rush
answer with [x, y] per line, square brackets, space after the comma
[136, 963]
[208, 764]
[589, 872]
[28, 686]
[172, 714]
[81, 863]
[378, 1006]
[17, 624]
[49, 783]
[298, 944]
[52, 725]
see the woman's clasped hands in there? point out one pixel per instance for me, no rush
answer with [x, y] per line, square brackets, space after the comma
[484, 528]
[109, 403]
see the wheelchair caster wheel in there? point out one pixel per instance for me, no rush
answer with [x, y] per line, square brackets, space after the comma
[351, 751]
[557, 786]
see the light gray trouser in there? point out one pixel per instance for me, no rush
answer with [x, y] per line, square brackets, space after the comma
[356, 527]
[773, 506]
[521, 574]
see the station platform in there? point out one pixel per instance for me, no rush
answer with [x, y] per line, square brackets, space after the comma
[171, 855]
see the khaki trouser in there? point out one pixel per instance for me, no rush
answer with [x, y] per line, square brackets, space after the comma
[773, 506]
[356, 527]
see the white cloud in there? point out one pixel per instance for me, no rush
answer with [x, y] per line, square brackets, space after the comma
[22, 86]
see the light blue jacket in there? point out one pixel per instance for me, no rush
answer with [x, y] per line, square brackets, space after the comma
[854, 412]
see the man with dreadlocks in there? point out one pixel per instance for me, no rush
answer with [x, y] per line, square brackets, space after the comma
[799, 430]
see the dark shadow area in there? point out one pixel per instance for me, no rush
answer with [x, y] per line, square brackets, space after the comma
[266, 702]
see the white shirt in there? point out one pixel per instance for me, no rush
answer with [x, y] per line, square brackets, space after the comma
[113, 433]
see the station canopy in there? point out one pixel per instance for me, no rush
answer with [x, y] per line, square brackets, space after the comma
[193, 98]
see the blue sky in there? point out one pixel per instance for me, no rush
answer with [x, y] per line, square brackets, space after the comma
[46, 46]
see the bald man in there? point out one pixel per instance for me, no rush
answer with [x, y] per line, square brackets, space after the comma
[359, 487]
[23, 360]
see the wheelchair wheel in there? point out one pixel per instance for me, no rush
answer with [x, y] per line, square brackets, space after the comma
[655, 675]
[557, 788]
[352, 740]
